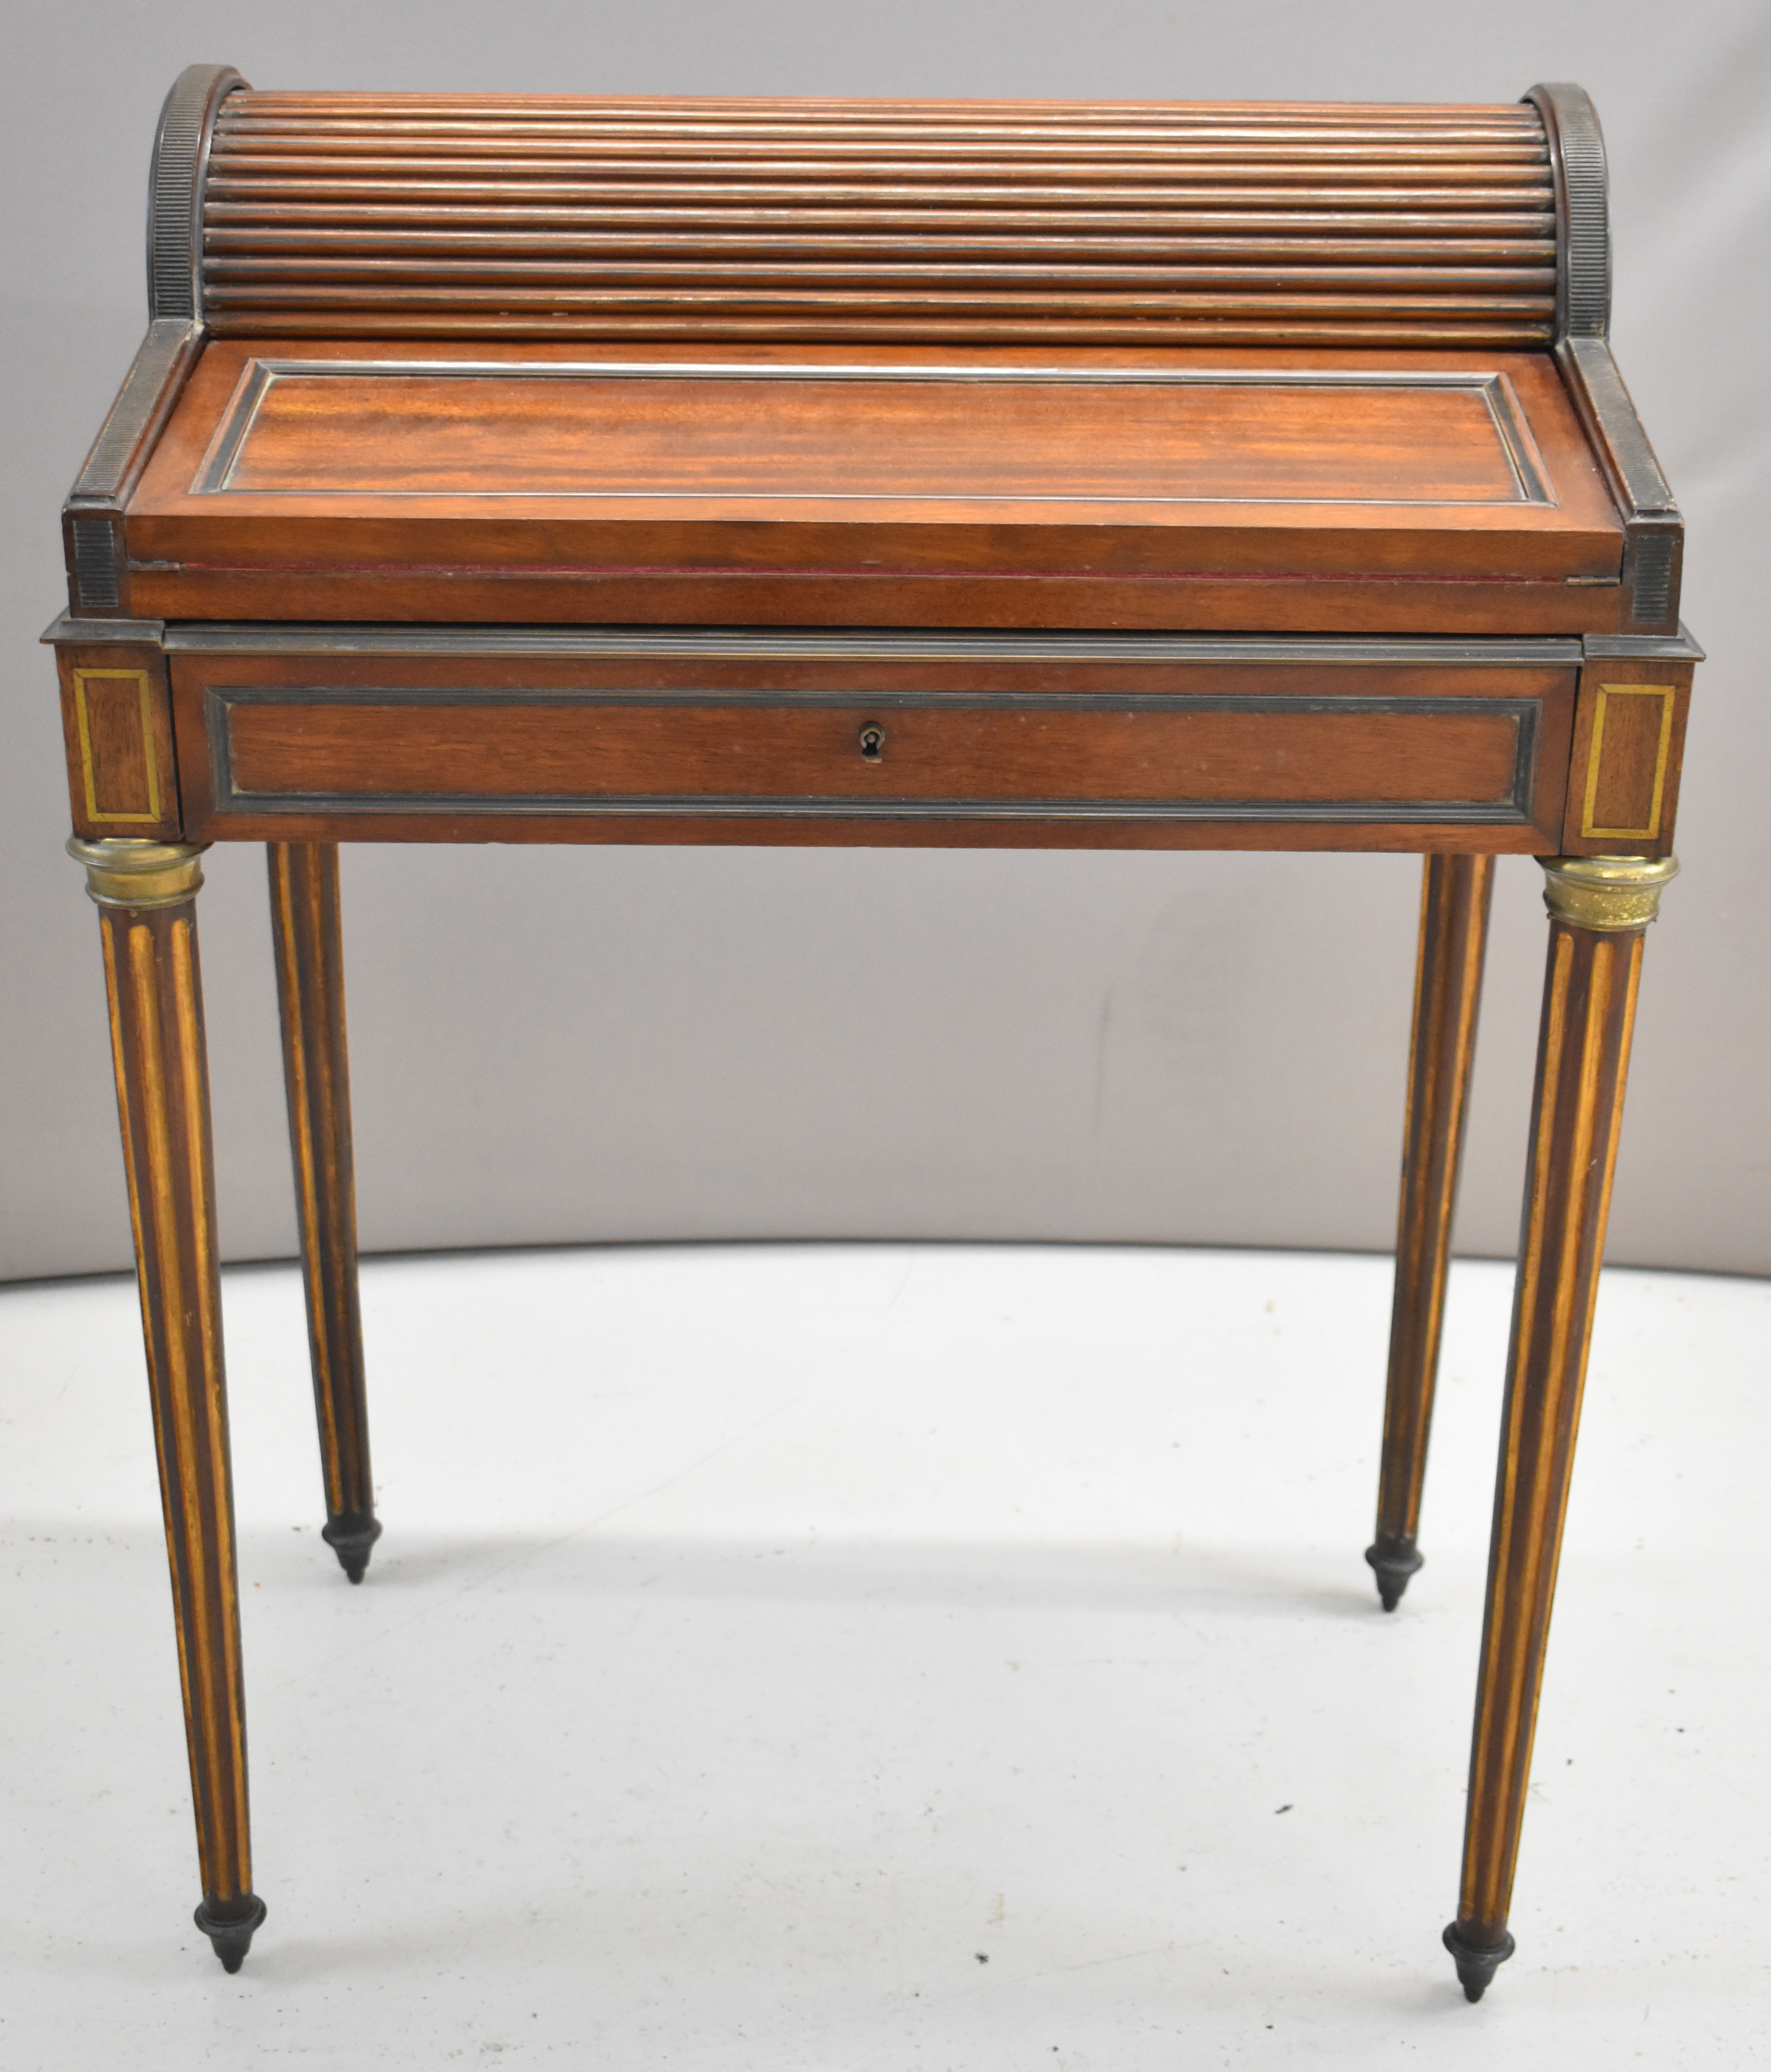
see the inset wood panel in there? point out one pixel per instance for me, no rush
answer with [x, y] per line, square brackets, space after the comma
[1358, 759]
[334, 428]
[113, 717]
[1626, 775]
[1629, 746]
[122, 776]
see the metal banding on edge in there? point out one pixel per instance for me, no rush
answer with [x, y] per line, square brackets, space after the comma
[1648, 646]
[1653, 599]
[743, 644]
[1577, 152]
[147, 392]
[1600, 389]
[95, 563]
[181, 151]
[65, 626]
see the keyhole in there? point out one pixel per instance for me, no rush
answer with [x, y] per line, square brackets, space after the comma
[872, 743]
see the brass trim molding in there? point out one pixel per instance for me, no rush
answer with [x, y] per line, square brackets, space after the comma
[122, 872]
[1609, 894]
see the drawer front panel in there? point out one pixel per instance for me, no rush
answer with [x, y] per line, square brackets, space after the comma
[852, 738]
[1349, 757]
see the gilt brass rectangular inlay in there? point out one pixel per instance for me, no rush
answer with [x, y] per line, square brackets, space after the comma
[113, 717]
[1626, 762]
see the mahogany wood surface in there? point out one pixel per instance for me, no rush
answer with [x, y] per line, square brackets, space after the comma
[117, 734]
[863, 230]
[1628, 753]
[757, 433]
[1434, 492]
[1267, 464]
[1577, 1110]
[353, 215]
[954, 754]
[959, 598]
[1026, 752]
[310, 961]
[163, 1089]
[1455, 894]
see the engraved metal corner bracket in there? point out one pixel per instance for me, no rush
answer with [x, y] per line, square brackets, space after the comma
[139, 873]
[1610, 894]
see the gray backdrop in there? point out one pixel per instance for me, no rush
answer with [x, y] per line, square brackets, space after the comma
[553, 1044]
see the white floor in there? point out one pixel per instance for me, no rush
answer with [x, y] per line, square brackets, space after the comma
[861, 1659]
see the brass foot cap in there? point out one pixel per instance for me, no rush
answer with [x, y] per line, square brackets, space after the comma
[1477, 1966]
[230, 1925]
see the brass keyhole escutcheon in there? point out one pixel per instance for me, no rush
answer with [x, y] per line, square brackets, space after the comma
[872, 743]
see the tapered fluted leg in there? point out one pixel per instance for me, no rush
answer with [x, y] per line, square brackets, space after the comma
[146, 892]
[1598, 909]
[1455, 891]
[316, 1074]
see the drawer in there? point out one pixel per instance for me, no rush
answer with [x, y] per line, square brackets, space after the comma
[870, 733]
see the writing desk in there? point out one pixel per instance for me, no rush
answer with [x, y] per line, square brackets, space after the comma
[1025, 475]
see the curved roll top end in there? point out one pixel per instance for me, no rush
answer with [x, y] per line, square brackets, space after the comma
[174, 197]
[1577, 157]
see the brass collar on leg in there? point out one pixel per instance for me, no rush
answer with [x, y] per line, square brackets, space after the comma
[1609, 894]
[139, 873]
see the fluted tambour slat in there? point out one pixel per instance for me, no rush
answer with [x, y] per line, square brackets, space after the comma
[379, 215]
